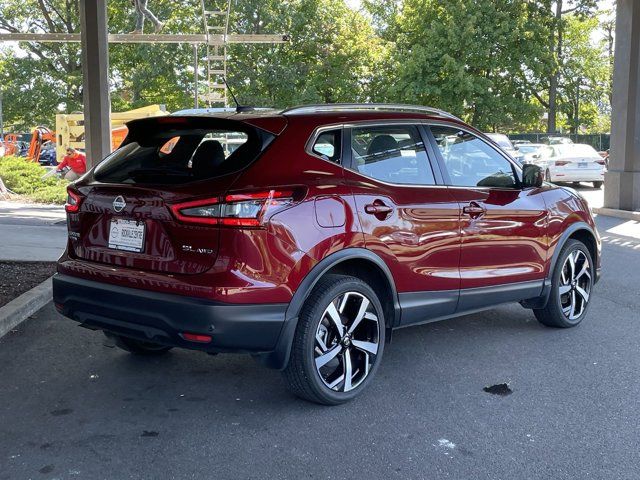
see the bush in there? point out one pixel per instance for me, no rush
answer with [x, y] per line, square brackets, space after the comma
[25, 178]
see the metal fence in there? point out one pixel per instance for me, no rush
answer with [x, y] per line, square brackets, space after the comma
[599, 141]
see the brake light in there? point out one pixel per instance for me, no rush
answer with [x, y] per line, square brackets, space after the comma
[601, 161]
[242, 209]
[73, 201]
[562, 163]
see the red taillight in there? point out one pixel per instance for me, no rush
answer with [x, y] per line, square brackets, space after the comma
[73, 201]
[196, 337]
[561, 163]
[601, 161]
[242, 209]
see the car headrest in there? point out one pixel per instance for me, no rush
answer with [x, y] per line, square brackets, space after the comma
[381, 144]
[207, 159]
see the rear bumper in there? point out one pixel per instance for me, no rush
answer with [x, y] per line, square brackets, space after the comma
[161, 317]
[576, 175]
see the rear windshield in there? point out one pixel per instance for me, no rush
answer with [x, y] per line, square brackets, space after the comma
[576, 150]
[174, 151]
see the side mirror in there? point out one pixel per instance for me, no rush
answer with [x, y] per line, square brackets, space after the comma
[532, 176]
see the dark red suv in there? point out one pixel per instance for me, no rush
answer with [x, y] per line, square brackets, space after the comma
[304, 237]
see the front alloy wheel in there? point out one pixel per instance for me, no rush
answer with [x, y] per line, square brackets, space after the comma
[571, 285]
[338, 342]
[575, 284]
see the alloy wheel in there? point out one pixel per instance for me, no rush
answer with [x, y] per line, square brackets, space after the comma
[346, 341]
[575, 284]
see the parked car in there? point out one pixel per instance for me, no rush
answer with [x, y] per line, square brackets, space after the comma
[558, 141]
[327, 229]
[573, 163]
[517, 143]
[532, 152]
[48, 155]
[503, 142]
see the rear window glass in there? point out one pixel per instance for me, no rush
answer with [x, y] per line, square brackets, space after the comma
[160, 154]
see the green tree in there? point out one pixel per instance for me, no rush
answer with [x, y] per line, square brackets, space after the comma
[462, 55]
[553, 21]
[584, 76]
[331, 57]
[41, 78]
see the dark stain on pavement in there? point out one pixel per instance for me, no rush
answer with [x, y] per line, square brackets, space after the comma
[501, 389]
[149, 433]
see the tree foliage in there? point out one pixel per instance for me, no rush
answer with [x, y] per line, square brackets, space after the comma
[502, 64]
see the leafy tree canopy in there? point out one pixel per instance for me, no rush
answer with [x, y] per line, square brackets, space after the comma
[502, 64]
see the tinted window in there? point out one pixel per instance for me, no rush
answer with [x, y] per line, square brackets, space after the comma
[470, 161]
[159, 154]
[327, 145]
[394, 154]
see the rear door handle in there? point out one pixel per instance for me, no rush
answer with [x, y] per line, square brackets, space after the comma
[474, 210]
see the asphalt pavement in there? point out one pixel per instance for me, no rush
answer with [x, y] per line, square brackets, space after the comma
[31, 232]
[71, 407]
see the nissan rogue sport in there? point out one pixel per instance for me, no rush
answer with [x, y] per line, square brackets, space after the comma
[304, 237]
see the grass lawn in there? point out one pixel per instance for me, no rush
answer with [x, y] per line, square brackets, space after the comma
[25, 178]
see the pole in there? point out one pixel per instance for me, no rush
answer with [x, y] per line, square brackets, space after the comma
[95, 80]
[195, 76]
[1, 120]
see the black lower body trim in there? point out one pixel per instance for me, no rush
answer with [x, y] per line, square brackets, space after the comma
[160, 317]
[425, 307]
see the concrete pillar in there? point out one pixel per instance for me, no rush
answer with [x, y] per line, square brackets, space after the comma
[95, 79]
[622, 181]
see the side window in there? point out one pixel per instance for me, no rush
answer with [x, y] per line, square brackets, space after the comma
[328, 145]
[470, 161]
[394, 154]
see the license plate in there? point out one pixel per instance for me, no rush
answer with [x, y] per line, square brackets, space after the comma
[582, 164]
[126, 235]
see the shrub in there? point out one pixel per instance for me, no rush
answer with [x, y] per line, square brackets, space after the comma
[25, 178]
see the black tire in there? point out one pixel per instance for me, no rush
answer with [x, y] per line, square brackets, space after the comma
[303, 378]
[598, 185]
[555, 314]
[138, 347]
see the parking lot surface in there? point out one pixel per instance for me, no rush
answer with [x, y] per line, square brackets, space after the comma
[73, 408]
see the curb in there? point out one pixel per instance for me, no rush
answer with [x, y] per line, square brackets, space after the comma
[612, 212]
[21, 308]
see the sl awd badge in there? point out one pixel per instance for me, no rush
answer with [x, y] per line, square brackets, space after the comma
[119, 204]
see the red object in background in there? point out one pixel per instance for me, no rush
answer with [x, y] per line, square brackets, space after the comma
[76, 162]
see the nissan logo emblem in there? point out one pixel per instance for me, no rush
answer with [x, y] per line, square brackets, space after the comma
[119, 204]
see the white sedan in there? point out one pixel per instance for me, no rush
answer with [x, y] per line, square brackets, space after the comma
[572, 163]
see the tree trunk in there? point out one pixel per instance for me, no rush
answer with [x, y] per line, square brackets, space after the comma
[556, 47]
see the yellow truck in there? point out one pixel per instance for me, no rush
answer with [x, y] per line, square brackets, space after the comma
[70, 127]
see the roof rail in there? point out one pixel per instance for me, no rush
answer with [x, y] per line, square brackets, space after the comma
[336, 107]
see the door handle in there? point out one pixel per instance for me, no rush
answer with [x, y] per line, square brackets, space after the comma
[378, 209]
[374, 209]
[474, 210]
